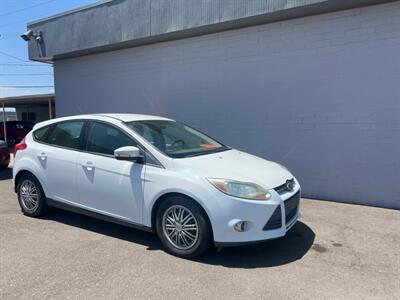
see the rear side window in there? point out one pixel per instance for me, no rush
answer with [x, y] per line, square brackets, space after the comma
[104, 139]
[66, 134]
[41, 134]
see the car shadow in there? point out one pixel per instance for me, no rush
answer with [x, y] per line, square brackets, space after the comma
[6, 174]
[105, 228]
[273, 253]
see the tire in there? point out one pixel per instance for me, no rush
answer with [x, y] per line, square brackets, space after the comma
[197, 242]
[28, 190]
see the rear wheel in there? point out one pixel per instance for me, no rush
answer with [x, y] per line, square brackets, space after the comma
[31, 197]
[183, 227]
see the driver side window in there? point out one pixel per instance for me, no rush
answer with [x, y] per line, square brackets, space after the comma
[104, 139]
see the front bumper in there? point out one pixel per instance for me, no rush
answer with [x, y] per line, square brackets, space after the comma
[257, 214]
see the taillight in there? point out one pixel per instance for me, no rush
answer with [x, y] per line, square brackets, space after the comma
[20, 146]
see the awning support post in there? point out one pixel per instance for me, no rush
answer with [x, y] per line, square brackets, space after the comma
[4, 123]
[50, 110]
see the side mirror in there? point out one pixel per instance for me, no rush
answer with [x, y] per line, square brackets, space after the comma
[129, 153]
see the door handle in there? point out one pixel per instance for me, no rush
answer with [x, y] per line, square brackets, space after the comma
[88, 166]
[42, 156]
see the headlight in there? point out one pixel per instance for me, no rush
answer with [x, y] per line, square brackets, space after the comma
[240, 189]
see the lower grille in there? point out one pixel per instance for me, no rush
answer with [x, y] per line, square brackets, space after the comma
[275, 221]
[291, 206]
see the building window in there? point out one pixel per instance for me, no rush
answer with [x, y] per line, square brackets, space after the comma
[28, 116]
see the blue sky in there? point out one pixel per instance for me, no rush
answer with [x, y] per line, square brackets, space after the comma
[15, 68]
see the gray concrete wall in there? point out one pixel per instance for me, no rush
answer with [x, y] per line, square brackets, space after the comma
[319, 94]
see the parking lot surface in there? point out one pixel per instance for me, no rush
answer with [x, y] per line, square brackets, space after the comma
[336, 251]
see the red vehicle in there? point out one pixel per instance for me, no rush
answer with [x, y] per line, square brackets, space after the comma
[4, 155]
[16, 131]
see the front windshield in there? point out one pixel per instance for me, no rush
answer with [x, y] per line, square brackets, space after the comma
[175, 139]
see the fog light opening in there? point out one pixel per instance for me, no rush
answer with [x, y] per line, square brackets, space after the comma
[241, 226]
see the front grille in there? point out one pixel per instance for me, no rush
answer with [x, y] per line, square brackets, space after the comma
[287, 187]
[275, 221]
[291, 206]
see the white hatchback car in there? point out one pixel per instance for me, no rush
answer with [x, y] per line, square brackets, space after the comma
[155, 174]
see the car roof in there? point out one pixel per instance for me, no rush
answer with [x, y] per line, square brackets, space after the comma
[133, 117]
[110, 117]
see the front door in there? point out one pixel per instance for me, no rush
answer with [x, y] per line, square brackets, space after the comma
[107, 185]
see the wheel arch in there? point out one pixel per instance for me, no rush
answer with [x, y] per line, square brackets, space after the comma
[18, 177]
[165, 196]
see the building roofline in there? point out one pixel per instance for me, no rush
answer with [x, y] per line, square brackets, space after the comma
[23, 97]
[68, 12]
[124, 24]
[17, 101]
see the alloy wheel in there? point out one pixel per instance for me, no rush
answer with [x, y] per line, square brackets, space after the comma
[29, 195]
[180, 227]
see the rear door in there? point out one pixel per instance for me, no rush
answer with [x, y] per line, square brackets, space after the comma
[57, 151]
[107, 185]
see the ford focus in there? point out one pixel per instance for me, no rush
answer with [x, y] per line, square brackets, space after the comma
[155, 174]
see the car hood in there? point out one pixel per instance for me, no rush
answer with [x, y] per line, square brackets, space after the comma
[236, 165]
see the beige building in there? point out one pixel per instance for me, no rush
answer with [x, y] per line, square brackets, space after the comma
[34, 108]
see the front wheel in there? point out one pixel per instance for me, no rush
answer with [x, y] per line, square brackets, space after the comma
[183, 227]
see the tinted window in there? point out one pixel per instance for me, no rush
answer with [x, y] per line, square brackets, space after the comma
[151, 160]
[105, 139]
[66, 134]
[41, 133]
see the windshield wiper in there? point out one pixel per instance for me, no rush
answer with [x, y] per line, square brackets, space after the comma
[208, 152]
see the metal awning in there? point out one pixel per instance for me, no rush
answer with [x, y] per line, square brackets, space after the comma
[22, 101]
[39, 99]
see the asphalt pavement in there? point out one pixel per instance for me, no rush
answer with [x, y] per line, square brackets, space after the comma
[336, 251]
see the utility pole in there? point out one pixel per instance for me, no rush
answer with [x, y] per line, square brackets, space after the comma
[4, 123]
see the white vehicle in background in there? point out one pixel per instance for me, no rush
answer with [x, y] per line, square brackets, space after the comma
[155, 174]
